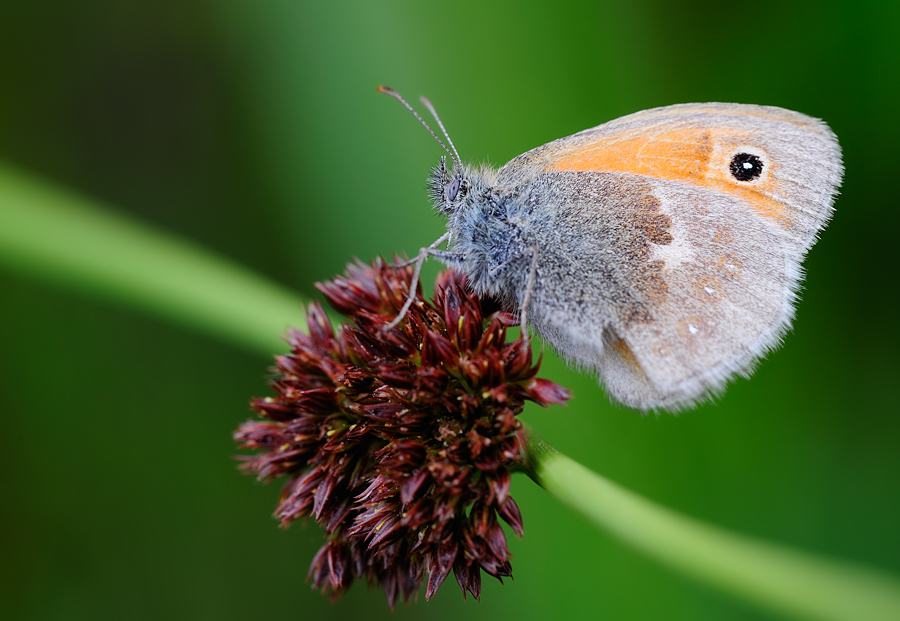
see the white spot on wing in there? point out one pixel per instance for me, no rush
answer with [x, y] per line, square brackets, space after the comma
[679, 251]
[674, 254]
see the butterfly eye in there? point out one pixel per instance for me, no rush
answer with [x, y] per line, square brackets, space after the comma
[746, 166]
[453, 189]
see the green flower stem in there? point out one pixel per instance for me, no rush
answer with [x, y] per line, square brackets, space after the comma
[62, 238]
[54, 235]
[786, 581]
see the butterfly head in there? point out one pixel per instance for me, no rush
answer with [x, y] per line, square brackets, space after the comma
[461, 188]
[449, 188]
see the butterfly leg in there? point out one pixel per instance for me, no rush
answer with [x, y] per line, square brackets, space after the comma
[432, 250]
[529, 287]
[419, 261]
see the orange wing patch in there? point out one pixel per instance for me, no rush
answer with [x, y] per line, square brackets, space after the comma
[695, 156]
[683, 155]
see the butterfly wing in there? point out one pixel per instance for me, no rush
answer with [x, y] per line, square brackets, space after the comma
[671, 242]
[730, 279]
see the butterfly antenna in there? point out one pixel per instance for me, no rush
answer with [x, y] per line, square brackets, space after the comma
[427, 103]
[389, 91]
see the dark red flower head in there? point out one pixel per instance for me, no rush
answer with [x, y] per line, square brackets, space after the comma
[399, 442]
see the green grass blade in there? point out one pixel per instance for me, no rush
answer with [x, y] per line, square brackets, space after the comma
[60, 237]
[783, 580]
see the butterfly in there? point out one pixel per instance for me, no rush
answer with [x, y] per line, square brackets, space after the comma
[661, 250]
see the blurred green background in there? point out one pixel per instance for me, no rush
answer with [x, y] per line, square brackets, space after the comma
[254, 128]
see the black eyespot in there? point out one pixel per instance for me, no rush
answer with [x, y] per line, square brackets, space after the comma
[453, 189]
[746, 167]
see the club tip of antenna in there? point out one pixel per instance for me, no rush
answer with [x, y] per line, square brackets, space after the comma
[381, 88]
